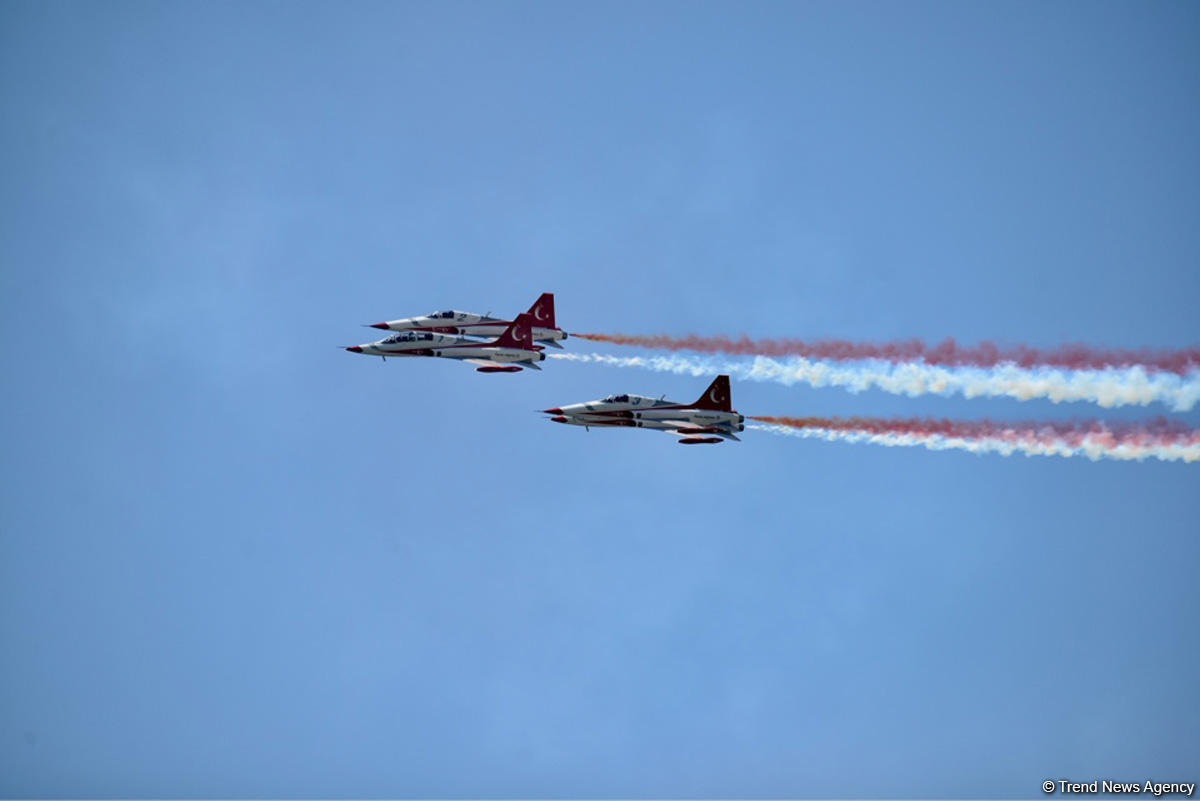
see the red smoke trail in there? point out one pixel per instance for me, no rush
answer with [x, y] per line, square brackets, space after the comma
[947, 352]
[1155, 433]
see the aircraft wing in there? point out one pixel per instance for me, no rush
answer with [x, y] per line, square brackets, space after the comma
[483, 362]
[672, 426]
[490, 363]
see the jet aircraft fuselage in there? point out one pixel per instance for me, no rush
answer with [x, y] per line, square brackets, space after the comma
[511, 348]
[541, 315]
[710, 414]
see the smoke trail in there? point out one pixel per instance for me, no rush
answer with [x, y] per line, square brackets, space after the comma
[946, 353]
[1160, 439]
[1108, 388]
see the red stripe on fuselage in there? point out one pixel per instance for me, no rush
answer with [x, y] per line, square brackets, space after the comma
[462, 329]
[676, 407]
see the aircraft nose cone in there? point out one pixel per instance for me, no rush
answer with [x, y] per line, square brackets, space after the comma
[354, 349]
[555, 410]
[379, 325]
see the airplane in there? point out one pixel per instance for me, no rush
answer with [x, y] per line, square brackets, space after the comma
[506, 354]
[711, 414]
[482, 325]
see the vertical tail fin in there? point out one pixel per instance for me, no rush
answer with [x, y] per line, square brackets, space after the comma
[517, 335]
[717, 397]
[542, 311]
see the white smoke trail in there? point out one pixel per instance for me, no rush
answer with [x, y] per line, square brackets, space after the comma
[1108, 388]
[1090, 448]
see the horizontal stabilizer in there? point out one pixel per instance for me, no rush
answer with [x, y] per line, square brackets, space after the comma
[552, 343]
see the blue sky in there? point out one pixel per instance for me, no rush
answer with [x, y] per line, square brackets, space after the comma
[238, 561]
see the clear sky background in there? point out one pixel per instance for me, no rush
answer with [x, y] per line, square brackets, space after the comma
[236, 560]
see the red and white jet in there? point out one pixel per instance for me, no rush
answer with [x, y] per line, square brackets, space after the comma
[509, 352]
[711, 414]
[481, 325]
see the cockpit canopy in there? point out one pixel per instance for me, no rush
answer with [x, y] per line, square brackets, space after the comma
[407, 336]
[442, 315]
[636, 400]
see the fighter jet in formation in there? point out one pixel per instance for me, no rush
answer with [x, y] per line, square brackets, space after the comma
[711, 414]
[483, 325]
[508, 353]
[461, 335]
